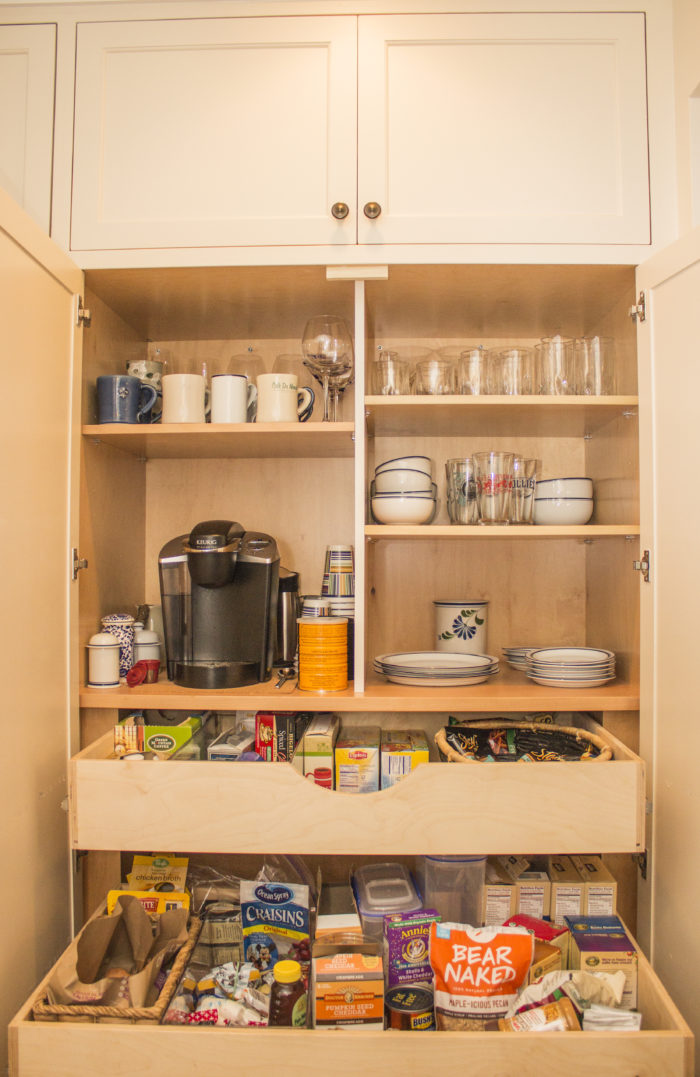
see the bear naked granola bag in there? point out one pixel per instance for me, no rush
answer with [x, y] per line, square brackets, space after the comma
[478, 972]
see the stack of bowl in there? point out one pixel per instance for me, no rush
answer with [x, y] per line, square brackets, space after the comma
[563, 501]
[403, 492]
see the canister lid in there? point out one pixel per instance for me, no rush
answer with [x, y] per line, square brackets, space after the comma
[103, 639]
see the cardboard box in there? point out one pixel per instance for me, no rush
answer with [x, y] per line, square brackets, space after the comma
[337, 911]
[407, 947]
[265, 735]
[546, 958]
[601, 886]
[402, 750]
[347, 986]
[567, 889]
[533, 894]
[499, 896]
[357, 753]
[230, 745]
[607, 950]
[314, 753]
[161, 740]
[544, 931]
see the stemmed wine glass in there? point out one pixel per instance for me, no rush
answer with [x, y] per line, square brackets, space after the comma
[327, 347]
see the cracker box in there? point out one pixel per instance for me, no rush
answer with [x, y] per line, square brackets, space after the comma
[544, 931]
[533, 893]
[347, 985]
[337, 911]
[601, 886]
[314, 754]
[547, 958]
[567, 889]
[611, 950]
[499, 894]
[357, 753]
[407, 947]
[402, 750]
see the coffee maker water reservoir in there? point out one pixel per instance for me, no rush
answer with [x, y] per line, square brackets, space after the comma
[219, 589]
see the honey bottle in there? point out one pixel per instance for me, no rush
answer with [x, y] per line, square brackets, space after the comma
[288, 996]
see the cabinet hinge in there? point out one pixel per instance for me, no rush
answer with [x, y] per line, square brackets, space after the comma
[639, 312]
[77, 563]
[641, 861]
[643, 566]
[83, 317]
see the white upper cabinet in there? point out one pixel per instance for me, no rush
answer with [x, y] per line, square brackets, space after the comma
[427, 129]
[503, 128]
[27, 79]
[213, 132]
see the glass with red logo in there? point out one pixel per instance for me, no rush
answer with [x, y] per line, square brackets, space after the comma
[494, 485]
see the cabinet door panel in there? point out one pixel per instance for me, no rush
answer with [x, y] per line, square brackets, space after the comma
[27, 71]
[214, 132]
[503, 128]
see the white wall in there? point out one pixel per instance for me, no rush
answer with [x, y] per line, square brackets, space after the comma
[686, 33]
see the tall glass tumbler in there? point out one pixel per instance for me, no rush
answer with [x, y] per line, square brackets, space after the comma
[593, 361]
[473, 371]
[391, 375]
[462, 505]
[555, 366]
[522, 502]
[494, 486]
[513, 372]
[436, 376]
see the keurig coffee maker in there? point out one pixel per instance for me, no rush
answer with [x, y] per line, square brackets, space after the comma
[218, 587]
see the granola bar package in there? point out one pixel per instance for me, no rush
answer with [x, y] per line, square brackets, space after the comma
[478, 971]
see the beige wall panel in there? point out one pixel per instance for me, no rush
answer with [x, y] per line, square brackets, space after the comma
[304, 507]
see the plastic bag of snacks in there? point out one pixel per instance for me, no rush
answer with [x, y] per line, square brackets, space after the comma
[478, 971]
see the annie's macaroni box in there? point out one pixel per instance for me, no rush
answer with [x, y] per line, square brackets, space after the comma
[357, 759]
[601, 885]
[407, 947]
[402, 750]
[601, 944]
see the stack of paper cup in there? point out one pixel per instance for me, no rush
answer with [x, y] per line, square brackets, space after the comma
[323, 654]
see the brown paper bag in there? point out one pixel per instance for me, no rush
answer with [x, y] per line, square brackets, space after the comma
[123, 941]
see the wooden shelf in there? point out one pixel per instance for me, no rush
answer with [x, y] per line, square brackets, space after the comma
[510, 691]
[509, 805]
[499, 416]
[203, 441]
[470, 531]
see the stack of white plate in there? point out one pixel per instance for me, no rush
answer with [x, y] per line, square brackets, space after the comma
[436, 669]
[516, 657]
[570, 667]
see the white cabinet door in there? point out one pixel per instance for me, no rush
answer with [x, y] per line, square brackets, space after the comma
[27, 80]
[668, 342]
[505, 128]
[38, 437]
[214, 132]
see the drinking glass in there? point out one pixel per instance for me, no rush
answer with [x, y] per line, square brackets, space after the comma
[462, 506]
[593, 363]
[435, 376]
[494, 484]
[391, 375]
[473, 371]
[327, 347]
[512, 372]
[555, 366]
[522, 500]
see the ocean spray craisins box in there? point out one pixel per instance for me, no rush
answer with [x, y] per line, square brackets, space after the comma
[275, 920]
[407, 947]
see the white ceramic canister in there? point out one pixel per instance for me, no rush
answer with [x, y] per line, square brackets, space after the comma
[121, 626]
[146, 644]
[461, 626]
[103, 661]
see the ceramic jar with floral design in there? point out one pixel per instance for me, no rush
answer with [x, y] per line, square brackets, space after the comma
[461, 626]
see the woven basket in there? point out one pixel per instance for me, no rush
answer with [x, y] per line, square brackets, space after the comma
[45, 1011]
[582, 739]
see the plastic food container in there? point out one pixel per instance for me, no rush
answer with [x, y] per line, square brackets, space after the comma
[453, 886]
[381, 889]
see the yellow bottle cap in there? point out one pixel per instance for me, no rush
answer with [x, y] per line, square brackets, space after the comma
[287, 972]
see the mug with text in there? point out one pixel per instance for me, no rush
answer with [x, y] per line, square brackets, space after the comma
[281, 401]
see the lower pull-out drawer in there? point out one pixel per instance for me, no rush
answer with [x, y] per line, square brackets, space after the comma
[663, 1049]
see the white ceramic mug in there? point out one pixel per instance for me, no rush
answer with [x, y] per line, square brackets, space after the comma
[281, 401]
[233, 399]
[184, 398]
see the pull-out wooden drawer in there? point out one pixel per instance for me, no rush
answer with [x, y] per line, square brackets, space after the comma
[441, 807]
[663, 1049]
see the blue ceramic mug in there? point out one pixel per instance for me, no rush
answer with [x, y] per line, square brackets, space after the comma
[122, 398]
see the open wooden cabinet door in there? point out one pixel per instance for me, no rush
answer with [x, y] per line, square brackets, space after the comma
[39, 362]
[669, 352]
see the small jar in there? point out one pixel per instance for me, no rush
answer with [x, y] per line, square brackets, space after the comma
[103, 661]
[288, 996]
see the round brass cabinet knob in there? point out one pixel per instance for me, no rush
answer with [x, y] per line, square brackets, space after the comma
[372, 210]
[340, 210]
